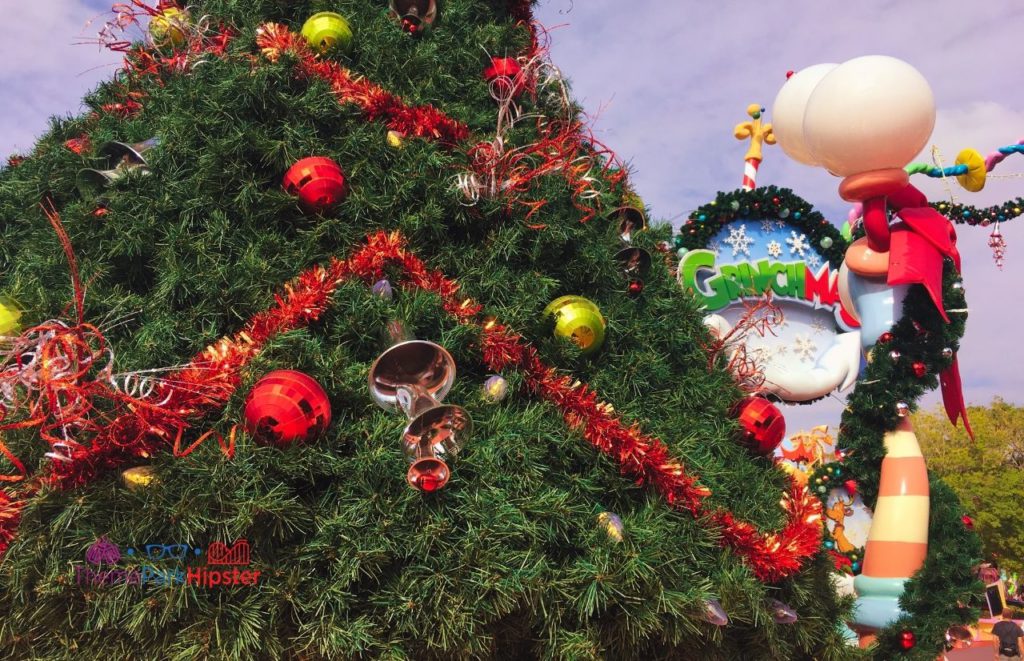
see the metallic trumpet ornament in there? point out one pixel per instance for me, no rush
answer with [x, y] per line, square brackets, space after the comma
[414, 376]
[414, 16]
[119, 158]
[633, 262]
[630, 220]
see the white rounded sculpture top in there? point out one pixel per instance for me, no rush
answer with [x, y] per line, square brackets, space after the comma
[869, 113]
[788, 111]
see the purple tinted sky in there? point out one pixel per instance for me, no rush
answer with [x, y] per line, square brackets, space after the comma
[667, 81]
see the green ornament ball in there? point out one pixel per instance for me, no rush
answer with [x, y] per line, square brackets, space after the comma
[578, 319]
[326, 31]
[826, 242]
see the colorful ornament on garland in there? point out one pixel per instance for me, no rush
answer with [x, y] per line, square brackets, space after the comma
[762, 423]
[580, 320]
[326, 31]
[414, 16]
[317, 181]
[611, 524]
[285, 407]
[169, 27]
[395, 139]
[714, 613]
[382, 289]
[967, 521]
[504, 76]
[139, 477]
[781, 613]
[908, 640]
[495, 388]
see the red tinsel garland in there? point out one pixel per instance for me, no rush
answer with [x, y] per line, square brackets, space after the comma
[210, 379]
[376, 103]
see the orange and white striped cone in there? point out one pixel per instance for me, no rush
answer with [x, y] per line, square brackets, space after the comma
[750, 173]
[898, 539]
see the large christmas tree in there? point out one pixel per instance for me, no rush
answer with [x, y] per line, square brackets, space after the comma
[602, 508]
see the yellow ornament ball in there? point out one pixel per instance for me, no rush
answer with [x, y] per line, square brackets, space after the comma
[169, 27]
[579, 320]
[396, 139]
[327, 31]
[139, 477]
[9, 316]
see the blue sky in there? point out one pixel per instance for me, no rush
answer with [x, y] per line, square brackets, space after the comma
[665, 82]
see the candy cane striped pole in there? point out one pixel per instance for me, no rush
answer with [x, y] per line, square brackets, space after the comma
[898, 539]
[750, 173]
[759, 133]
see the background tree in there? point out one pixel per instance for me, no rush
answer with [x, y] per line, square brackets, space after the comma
[987, 474]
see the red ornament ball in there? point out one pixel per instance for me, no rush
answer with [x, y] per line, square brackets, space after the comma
[502, 73]
[968, 522]
[885, 338]
[286, 406]
[851, 487]
[318, 182]
[764, 426]
[908, 640]
[635, 287]
[920, 369]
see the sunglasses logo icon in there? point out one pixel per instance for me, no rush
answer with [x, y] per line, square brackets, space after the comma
[167, 551]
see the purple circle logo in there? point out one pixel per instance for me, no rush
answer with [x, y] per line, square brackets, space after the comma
[103, 552]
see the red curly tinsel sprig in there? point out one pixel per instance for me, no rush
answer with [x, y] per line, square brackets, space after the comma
[10, 517]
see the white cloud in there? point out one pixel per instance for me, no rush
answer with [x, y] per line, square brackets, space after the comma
[43, 72]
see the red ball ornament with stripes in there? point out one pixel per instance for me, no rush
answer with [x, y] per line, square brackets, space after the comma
[285, 407]
[318, 182]
[763, 425]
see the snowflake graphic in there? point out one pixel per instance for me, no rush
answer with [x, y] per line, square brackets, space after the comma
[774, 249]
[781, 350]
[818, 326]
[739, 241]
[813, 260]
[804, 348]
[716, 248]
[797, 244]
[767, 226]
[781, 224]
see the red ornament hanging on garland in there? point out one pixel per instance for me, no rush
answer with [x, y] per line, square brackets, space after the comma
[920, 369]
[504, 76]
[968, 522]
[318, 182]
[286, 406]
[851, 487]
[764, 426]
[908, 640]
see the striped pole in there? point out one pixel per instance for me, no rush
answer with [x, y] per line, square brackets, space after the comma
[898, 539]
[759, 133]
[750, 173]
